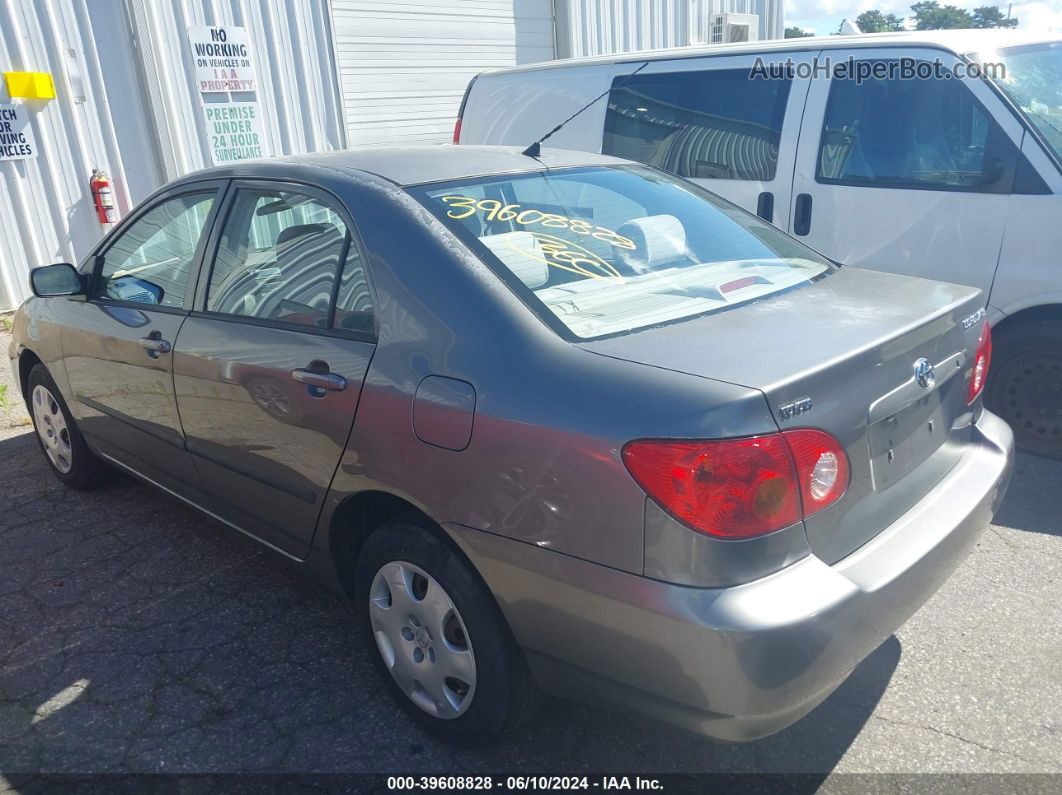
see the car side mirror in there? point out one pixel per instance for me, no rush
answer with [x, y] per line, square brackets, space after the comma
[54, 280]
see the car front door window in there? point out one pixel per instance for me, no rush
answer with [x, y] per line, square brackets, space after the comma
[150, 263]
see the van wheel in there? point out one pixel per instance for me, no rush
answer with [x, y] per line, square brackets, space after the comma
[437, 638]
[1025, 384]
[58, 435]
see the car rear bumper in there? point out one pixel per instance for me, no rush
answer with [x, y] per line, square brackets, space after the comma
[742, 662]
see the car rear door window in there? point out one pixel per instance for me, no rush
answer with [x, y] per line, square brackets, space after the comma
[715, 124]
[150, 262]
[285, 256]
[929, 133]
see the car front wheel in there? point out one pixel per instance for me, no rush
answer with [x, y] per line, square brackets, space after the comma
[60, 440]
[437, 638]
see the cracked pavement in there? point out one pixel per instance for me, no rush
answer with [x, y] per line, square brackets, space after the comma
[137, 636]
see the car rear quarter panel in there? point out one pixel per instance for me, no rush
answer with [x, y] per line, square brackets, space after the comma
[543, 463]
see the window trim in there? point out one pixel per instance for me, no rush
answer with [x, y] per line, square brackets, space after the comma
[352, 239]
[1003, 185]
[97, 257]
[619, 82]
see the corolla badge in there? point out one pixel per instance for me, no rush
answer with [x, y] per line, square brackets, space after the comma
[796, 408]
[924, 373]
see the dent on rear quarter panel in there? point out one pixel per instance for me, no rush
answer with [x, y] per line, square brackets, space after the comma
[543, 463]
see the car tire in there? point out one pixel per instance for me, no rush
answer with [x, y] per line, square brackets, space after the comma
[60, 440]
[421, 654]
[1025, 384]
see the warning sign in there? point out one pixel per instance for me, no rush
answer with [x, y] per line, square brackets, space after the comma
[16, 138]
[235, 131]
[222, 57]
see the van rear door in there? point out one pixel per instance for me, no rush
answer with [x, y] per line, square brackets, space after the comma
[905, 175]
[729, 123]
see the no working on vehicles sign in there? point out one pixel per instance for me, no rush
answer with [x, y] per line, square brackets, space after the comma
[16, 139]
[223, 59]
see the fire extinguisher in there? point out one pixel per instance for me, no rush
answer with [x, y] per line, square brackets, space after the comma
[103, 197]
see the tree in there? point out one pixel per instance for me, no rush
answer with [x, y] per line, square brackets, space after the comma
[931, 15]
[992, 17]
[797, 33]
[876, 22]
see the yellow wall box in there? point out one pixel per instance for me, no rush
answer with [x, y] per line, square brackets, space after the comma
[30, 85]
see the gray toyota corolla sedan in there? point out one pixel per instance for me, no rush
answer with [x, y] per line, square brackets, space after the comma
[559, 423]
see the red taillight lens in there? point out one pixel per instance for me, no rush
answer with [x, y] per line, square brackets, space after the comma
[733, 488]
[457, 130]
[981, 362]
[740, 488]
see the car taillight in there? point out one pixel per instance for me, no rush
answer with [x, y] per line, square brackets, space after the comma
[981, 362]
[741, 488]
[457, 130]
[822, 468]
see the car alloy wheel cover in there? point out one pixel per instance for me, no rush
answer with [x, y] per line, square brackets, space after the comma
[422, 639]
[51, 426]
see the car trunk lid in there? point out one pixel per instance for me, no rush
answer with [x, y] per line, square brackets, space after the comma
[840, 354]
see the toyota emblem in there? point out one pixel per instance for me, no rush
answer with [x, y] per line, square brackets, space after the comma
[924, 374]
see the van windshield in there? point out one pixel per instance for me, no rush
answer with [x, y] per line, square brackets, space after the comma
[1033, 81]
[605, 250]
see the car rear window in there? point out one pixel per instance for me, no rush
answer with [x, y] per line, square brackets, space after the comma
[606, 250]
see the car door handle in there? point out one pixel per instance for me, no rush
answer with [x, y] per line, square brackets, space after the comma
[320, 380]
[802, 214]
[154, 344]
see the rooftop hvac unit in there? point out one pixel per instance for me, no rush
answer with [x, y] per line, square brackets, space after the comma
[727, 28]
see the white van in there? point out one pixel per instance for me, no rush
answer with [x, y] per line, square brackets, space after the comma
[953, 179]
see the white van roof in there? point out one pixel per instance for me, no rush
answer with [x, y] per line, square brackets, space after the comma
[959, 42]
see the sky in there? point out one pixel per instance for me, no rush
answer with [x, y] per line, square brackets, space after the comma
[824, 16]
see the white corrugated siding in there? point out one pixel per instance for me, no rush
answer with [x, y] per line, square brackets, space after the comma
[404, 64]
[140, 118]
[603, 27]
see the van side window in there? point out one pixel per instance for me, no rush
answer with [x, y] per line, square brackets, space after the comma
[714, 124]
[929, 134]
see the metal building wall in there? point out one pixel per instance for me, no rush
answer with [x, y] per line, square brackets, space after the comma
[601, 27]
[404, 64]
[126, 102]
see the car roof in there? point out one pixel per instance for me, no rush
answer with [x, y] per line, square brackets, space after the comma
[408, 165]
[959, 42]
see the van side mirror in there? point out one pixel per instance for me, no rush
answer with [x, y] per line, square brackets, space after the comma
[53, 280]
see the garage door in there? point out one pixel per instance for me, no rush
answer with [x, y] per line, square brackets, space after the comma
[404, 64]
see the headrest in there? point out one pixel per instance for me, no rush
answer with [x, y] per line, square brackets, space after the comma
[520, 253]
[292, 233]
[657, 239]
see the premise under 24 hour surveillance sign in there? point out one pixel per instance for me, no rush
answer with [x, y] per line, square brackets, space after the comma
[222, 58]
[234, 130]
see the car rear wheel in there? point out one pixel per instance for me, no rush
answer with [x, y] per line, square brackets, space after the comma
[437, 638]
[1025, 385]
[57, 433]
